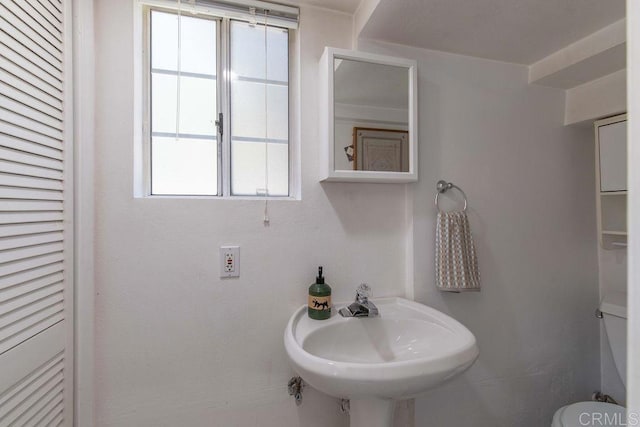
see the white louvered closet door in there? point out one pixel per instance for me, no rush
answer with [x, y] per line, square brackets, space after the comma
[36, 205]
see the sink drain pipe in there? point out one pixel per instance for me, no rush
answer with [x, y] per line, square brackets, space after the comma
[598, 396]
[295, 387]
[345, 406]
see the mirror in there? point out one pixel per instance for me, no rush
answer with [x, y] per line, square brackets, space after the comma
[371, 116]
[371, 128]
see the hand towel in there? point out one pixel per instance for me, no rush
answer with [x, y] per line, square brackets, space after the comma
[456, 259]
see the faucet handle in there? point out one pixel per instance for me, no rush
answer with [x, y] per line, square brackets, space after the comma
[363, 292]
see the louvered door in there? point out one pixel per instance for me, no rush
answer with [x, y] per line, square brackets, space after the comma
[36, 339]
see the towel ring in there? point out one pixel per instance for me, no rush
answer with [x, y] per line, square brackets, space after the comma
[443, 187]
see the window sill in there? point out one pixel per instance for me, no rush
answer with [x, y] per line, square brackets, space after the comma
[221, 198]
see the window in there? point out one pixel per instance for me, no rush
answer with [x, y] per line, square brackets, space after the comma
[218, 97]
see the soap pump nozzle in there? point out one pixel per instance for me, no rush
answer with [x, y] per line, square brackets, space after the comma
[320, 278]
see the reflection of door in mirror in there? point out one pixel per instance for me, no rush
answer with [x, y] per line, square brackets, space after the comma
[384, 150]
[371, 116]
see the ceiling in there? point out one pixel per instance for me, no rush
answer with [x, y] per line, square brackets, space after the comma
[373, 85]
[517, 31]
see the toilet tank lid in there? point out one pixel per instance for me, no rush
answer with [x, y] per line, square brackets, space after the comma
[615, 304]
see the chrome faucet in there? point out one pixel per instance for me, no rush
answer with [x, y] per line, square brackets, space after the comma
[361, 307]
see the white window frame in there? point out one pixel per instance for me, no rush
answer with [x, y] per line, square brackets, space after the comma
[142, 178]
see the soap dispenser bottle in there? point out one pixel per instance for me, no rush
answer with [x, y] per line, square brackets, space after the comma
[319, 302]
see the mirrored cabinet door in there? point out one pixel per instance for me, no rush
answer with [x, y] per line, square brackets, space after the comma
[613, 156]
[369, 130]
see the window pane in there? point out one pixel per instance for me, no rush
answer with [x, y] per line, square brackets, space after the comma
[163, 102]
[248, 52]
[197, 45]
[184, 166]
[197, 106]
[164, 40]
[248, 113]
[278, 169]
[247, 109]
[278, 112]
[248, 160]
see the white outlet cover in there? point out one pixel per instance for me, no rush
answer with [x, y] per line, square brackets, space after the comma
[229, 261]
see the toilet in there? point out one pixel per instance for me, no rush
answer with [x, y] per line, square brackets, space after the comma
[614, 315]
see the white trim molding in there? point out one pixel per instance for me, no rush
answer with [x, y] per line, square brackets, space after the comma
[84, 225]
[633, 214]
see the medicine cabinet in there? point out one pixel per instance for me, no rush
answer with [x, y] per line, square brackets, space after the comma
[611, 181]
[368, 124]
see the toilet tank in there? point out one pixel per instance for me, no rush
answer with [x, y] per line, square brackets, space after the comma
[614, 311]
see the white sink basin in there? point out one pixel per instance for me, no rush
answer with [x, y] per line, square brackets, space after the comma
[407, 349]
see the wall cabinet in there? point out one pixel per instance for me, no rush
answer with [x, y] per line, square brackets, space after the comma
[369, 117]
[611, 181]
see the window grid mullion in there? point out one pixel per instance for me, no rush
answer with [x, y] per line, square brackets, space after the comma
[225, 108]
[146, 123]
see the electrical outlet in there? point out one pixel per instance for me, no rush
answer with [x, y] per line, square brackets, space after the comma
[229, 266]
[230, 261]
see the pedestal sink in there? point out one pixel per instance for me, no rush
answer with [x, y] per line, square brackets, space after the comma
[408, 349]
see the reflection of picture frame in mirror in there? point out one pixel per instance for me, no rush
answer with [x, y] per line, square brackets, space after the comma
[380, 150]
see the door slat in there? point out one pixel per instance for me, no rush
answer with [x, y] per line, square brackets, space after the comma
[30, 286]
[30, 275]
[30, 153]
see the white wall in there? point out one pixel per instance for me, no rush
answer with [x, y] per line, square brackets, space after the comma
[530, 182]
[176, 345]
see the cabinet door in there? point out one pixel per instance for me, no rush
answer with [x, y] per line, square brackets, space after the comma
[36, 214]
[613, 156]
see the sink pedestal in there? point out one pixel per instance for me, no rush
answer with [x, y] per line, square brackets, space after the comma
[371, 412]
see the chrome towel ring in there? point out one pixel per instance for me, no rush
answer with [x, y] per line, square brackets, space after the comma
[443, 187]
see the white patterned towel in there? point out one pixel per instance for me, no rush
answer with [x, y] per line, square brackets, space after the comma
[456, 260]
